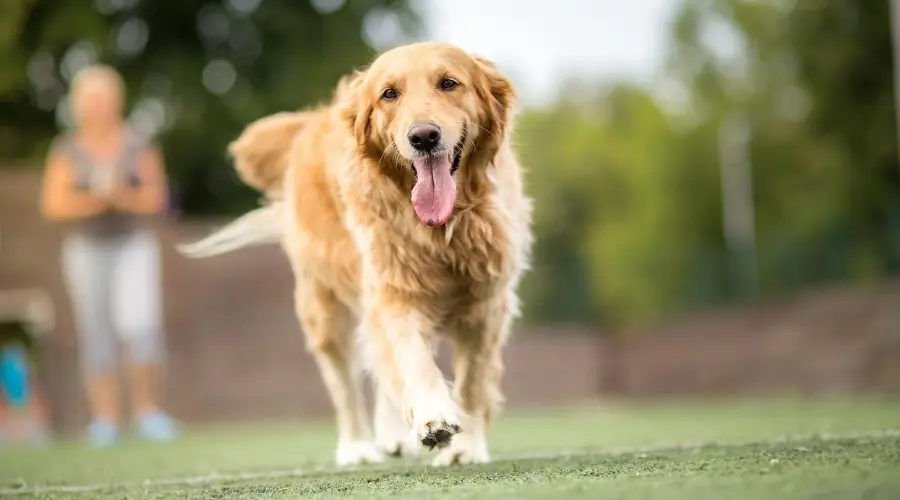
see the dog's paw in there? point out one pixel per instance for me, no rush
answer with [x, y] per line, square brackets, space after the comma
[392, 434]
[465, 449]
[435, 422]
[400, 445]
[397, 449]
[358, 453]
[437, 433]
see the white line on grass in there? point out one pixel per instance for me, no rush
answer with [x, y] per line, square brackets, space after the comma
[216, 477]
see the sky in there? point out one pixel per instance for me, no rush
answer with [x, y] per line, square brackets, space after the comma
[536, 42]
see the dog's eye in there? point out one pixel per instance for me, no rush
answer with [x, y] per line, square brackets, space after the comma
[389, 94]
[448, 84]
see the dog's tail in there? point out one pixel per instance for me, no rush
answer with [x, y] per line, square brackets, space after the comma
[262, 151]
[259, 227]
[261, 156]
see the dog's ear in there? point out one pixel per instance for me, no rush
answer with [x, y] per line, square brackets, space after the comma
[498, 92]
[356, 107]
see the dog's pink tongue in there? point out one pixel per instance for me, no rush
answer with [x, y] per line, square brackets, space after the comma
[435, 192]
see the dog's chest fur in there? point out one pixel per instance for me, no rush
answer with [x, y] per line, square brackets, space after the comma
[470, 259]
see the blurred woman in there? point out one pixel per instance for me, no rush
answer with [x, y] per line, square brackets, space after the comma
[104, 181]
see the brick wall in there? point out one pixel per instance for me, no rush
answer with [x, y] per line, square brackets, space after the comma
[236, 351]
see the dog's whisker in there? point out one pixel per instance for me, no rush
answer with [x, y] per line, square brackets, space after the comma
[399, 158]
[470, 140]
[385, 152]
[488, 132]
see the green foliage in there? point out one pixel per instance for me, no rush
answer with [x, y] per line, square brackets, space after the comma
[629, 191]
[624, 204]
[276, 55]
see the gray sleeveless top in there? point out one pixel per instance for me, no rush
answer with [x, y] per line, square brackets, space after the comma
[89, 174]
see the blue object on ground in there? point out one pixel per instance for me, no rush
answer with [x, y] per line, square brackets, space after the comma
[14, 374]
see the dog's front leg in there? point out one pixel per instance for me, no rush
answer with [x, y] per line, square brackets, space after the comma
[403, 366]
[478, 369]
[392, 432]
[329, 327]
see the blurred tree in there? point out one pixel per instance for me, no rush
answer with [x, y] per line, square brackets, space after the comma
[628, 186]
[617, 199]
[816, 79]
[197, 70]
[845, 66]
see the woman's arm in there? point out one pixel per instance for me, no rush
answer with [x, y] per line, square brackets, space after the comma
[150, 197]
[59, 201]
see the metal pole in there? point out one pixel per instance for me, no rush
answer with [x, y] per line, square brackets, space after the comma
[895, 37]
[739, 224]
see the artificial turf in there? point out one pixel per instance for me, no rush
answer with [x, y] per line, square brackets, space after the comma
[839, 448]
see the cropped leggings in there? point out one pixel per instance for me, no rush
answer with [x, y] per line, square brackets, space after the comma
[114, 286]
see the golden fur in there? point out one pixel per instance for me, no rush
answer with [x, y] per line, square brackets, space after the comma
[375, 284]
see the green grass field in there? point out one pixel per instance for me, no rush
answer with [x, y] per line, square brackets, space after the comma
[766, 449]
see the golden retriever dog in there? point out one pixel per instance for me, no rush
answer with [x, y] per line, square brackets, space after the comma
[401, 209]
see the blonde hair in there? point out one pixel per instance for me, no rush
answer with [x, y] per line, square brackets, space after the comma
[90, 76]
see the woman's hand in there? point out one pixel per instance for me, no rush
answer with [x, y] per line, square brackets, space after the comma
[149, 198]
[59, 201]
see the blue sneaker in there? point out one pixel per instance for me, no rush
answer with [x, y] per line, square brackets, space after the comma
[156, 426]
[102, 433]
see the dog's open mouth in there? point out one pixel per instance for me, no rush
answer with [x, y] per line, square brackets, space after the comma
[434, 194]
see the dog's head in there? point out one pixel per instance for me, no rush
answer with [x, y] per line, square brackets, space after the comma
[431, 110]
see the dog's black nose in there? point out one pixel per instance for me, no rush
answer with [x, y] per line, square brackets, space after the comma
[424, 136]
